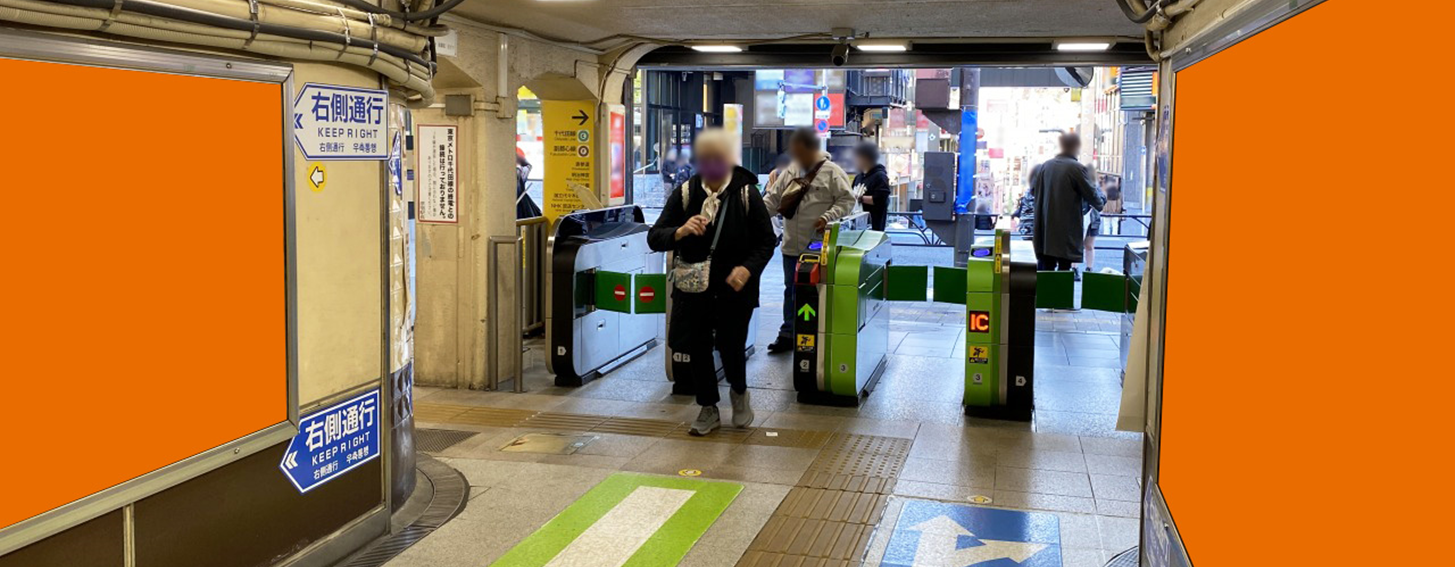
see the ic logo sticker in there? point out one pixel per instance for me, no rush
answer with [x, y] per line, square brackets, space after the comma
[979, 321]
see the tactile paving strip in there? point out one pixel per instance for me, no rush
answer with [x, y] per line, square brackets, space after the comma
[722, 435]
[858, 463]
[834, 505]
[827, 520]
[869, 444]
[567, 421]
[638, 426]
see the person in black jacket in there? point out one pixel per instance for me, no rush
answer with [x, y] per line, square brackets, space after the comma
[872, 184]
[719, 194]
[525, 207]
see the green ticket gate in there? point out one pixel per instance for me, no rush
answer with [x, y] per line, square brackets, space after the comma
[841, 331]
[1000, 330]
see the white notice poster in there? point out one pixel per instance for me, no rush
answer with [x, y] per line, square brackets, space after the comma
[438, 175]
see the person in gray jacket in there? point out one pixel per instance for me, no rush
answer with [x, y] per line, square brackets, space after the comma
[1062, 188]
[810, 194]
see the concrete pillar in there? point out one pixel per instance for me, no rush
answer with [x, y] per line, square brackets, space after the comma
[453, 326]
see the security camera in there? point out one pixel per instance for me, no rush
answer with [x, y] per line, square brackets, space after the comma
[841, 55]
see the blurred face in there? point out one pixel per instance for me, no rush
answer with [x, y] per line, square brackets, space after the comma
[714, 164]
[805, 155]
[862, 163]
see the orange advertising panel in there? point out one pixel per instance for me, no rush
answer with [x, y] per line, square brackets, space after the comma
[145, 292]
[1306, 369]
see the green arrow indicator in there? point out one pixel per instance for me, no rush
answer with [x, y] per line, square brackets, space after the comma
[807, 312]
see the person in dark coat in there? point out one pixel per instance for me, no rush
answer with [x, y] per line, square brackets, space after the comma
[872, 184]
[725, 195]
[1061, 187]
[525, 207]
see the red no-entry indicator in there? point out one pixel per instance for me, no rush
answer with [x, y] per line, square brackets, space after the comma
[619, 293]
[647, 294]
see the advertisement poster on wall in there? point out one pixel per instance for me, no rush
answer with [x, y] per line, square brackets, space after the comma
[617, 114]
[438, 176]
[732, 121]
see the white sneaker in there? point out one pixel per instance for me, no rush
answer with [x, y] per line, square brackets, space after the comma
[707, 422]
[742, 409]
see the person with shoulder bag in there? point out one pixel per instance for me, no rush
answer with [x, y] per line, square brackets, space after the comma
[813, 192]
[722, 237]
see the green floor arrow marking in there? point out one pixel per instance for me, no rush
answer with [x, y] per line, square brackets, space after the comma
[628, 520]
[807, 311]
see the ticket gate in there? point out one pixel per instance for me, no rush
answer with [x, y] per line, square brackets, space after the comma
[841, 330]
[1000, 334]
[586, 333]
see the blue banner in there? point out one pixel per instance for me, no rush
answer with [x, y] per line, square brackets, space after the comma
[965, 187]
[332, 442]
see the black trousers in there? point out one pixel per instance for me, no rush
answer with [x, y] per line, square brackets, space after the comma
[1052, 263]
[790, 273]
[704, 322]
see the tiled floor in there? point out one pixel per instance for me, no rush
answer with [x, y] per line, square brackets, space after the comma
[1070, 461]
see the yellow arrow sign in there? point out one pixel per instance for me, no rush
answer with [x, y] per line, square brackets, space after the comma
[317, 177]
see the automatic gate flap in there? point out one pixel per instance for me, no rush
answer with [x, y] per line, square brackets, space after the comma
[908, 283]
[950, 285]
[650, 293]
[1055, 290]
[613, 291]
[1104, 292]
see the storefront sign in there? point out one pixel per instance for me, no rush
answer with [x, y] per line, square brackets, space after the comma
[570, 127]
[438, 174]
[332, 442]
[333, 122]
[617, 115]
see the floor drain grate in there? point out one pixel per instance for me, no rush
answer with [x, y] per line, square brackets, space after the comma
[450, 496]
[1126, 558]
[437, 440]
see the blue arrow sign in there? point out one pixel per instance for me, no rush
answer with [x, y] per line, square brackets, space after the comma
[935, 534]
[332, 442]
[332, 122]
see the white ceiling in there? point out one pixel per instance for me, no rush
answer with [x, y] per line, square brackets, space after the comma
[587, 21]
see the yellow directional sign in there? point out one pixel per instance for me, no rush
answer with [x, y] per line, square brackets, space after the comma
[317, 177]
